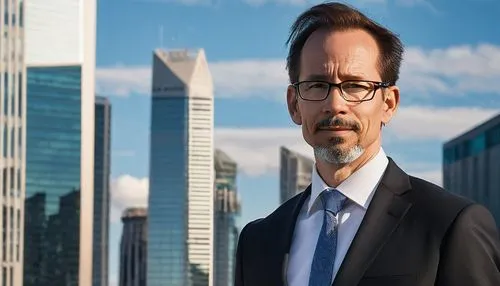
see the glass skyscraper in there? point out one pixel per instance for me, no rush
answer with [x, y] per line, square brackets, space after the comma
[180, 218]
[471, 165]
[60, 142]
[227, 208]
[133, 247]
[295, 173]
[12, 140]
[102, 164]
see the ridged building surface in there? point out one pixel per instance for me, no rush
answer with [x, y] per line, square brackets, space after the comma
[471, 165]
[12, 140]
[180, 243]
[133, 247]
[227, 208]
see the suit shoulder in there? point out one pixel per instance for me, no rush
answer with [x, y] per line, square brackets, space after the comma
[275, 219]
[439, 205]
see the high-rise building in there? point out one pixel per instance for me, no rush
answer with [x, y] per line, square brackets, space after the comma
[102, 165]
[180, 218]
[226, 209]
[60, 59]
[295, 173]
[12, 140]
[471, 165]
[133, 248]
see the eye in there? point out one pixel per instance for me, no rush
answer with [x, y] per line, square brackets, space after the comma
[316, 85]
[356, 87]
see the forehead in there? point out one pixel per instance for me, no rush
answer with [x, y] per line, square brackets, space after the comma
[340, 55]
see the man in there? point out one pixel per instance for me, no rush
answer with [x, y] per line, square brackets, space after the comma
[362, 221]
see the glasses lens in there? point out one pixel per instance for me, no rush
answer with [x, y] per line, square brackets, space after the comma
[357, 90]
[313, 90]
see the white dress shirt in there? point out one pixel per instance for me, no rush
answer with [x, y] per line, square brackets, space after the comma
[359, 189]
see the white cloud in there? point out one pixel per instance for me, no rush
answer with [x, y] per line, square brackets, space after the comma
[454, 70]
[434, 176]
[127, 191]
[421, 123]
[257, 150]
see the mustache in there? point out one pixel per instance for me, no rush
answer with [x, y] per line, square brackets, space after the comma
[338, 122]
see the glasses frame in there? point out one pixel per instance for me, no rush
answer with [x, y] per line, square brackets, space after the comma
[377, 85]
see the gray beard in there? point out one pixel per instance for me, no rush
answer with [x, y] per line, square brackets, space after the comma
[335, 155]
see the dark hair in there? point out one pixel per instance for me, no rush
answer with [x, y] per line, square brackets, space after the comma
[340, 17]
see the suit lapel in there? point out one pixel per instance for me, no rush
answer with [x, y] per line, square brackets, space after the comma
[290, 228]
[384, 214]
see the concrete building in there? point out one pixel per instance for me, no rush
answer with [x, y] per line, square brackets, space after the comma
[295, 173]
[60, 58]
[12, 140]
[471, 165]
[133, 247]
[180, 243]
[227, 208]
[102, 169]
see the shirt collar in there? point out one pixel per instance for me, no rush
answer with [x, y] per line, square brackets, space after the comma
[358, 187]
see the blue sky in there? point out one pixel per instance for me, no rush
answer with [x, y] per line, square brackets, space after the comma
[449, 83]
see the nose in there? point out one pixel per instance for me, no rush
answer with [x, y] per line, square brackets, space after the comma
[335, 103]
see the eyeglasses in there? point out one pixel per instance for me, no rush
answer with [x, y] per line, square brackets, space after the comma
[350, 90]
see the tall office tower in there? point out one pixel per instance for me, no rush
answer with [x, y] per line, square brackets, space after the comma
[227, 207]
[133, 247]
[102, 164]
[60, 59]
[12, 140]
[180, 243]
[295, 173]
[471, 165]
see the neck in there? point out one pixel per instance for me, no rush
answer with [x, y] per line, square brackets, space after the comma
[334, 174]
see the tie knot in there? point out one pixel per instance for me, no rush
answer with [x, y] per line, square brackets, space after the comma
[333, 200]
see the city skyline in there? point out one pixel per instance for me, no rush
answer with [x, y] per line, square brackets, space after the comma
[448, 84]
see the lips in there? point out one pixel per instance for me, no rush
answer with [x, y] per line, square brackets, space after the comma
[335, 129]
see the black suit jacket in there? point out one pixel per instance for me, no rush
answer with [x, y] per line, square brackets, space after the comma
[414, 233]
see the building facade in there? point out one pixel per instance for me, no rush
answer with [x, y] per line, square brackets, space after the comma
[12, 140]
[227, 208]
[102, 169]
[295, 173]
[133, 248]
[60, 142]
[471, 164]
[180, 218]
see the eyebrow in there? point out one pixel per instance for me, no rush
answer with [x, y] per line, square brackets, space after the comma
[324, 77]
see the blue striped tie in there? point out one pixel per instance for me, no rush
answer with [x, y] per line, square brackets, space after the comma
[326, 247]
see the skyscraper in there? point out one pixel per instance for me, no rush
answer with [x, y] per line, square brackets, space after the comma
[102, 164]
[60, 58]
[471, 165]
[295, 173]
[133, 248]
[180, 218]
[12, 140]
[227, 207]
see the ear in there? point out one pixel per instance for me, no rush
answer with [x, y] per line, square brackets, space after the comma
[293, 105]
[390, 104]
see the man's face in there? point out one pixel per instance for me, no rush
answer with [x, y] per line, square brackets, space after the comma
[338, 130]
